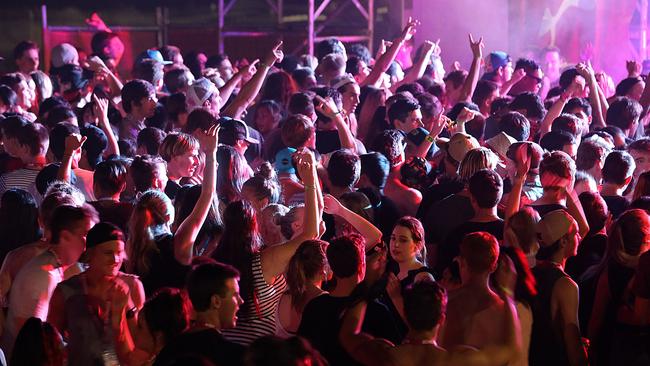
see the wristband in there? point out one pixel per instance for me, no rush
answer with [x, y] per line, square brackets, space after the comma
[429, 138]
[263, 64]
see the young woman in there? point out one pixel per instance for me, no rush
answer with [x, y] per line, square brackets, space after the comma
[83, 307]
[233, 172]
[262, 189]
[38, 344]
[262, 270]
[161, 258]
[305, 275]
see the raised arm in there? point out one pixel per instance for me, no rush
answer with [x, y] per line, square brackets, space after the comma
[363, 226]
[188, 230]
[275, 259]
[554, 112]
[226, 90]
[383, 62]
[328, 107]
[523, 166]
[73, 144]
[100, 109]
[252, 88]
[517, 75]
[598, 116]
[439, 124]
[420, 65]
[474, 70]
[575, 209]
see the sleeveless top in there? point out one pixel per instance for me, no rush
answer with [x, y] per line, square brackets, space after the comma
[280, 330]
[86, 329]
[546, 340]
[257, 316]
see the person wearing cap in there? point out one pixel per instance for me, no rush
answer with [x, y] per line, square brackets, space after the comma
[95, 297]
[204, 94]
[455, 149]
[235, 133]
[498, 68]
[63, 54]
[139, 101]
[555, 337]
[350, 93]
[522, 166]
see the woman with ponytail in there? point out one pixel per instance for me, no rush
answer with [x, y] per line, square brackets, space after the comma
[262, 189]
[305, 274]
[161, 258]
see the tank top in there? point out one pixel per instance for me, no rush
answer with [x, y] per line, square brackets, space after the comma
[546, 342]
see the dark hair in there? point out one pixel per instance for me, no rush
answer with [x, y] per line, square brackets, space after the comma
[100, 40]
[18, 220]
[429, 105]
[264, 184]
[531, 103]
[454, 112]
[390, 143]
[95, 145]
[376, 167]
[401, 109]
[301, 74]
[556, 140]
[345, 255]
[416, 173]
[149, 70]
[416, 229]
[58, 114]
[325, 92]
[486, 188]
[239, 243]
[191, 60]
[167, 311]
[34, 136]
[168, 52]
[413, 88]
[212, 227]
[590, 152]
[279, 86]
[176, 79]
[308, 261]
[134, 91]
[296, 130]
[38, 343]
[642, 144]
[11, 126]
[425, 304]
[360, 51]
[456, 78]
[143, 171]
[623, 112]
[626, 85]
[67, 217]
[301, 103]
[327, 46]
[150, 138]
[8, 96]
[353, 65]
[567, 123]
[619, 165]
[206, 280]
[567, 77]
[642, 186]
[110, 176]
[214, 61]
[58, 134]
[481, 251]
[484, 89]
[344, 168]
[574, 103]
[515, 125]
[22, 47]
[199, 119]
[595, 209]
[50, 103]
[231, 173]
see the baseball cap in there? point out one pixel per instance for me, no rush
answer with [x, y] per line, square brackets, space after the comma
[200, 91]
[533, 151]
[417, 135]
[553, 226]
[284, 162]
[500, 143]
[64, 54]
[72, 74]
[499, 59]
[152, 55]
[233, 130]
[458, 145]
[101, 233]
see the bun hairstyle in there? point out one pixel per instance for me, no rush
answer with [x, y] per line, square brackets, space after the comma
[285, 221]
[264, 184]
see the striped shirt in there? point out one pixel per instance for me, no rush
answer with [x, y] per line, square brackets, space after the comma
[258, 316]
[24, 179]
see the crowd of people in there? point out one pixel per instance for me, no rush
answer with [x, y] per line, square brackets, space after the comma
[337, 209]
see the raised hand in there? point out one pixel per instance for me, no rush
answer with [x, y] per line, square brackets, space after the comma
[118, 294]
[466, 115]
[326, 106]
[439, 125]
[523, 160]
[209, 140]
[436, 48]
[95, 21]
[518, 75]
[100, 108]
[332, 206]
[477, 47]
[249, 70]
[633, 68]
[274, 55]
[73, 143]
[506, 276]
[410, 29]
[306, 167]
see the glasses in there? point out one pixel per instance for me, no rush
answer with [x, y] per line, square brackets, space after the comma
[539, 80]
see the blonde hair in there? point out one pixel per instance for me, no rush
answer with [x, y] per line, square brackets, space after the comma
[176, 144]
[477, 159]
[151, 215]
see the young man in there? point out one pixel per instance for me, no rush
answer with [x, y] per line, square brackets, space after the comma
[37, 280]
[405, 115]
[624, 113]
[66, 147]
[204, 94]
[486, 189]
[181, 152]
[555, 338]
[424, 308]
[109, 47]
[139, 102]
[475, 312]
[617, 173]
[148, 172]
[26, 57]
[109, 181]
[321, 319]
[213, 289]
[30, 145]
[591, 156]
[640, 151]
[343, 171]
[532, 79]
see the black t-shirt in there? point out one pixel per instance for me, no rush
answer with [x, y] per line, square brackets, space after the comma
[207, 343]
[445, 216]
[117, 213]
[171, 189]
[590, 252]
[542, 210]
[327, 141]
[437, 192]
[321, 322]
[385, 211]
[451, 247]
[616, 205]
[164, 269]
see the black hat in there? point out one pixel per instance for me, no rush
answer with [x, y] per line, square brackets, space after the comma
[233, 130]
[103, 232]
[72, 74]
